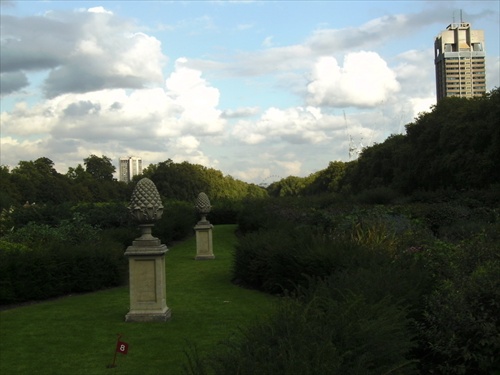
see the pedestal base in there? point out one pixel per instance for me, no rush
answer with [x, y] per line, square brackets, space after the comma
[204, 246]
[204, 257]
[149, 316]
[147, 283]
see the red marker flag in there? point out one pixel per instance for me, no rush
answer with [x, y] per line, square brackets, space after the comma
[122, 347]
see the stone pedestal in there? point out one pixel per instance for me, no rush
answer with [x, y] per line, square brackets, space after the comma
[204, 247]
[147, 280]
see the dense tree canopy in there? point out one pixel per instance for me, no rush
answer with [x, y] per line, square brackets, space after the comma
[185, 181]
[100, 168]
[455, 146]
[38, 181]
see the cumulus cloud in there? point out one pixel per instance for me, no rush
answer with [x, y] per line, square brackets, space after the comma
[291, 168]
[82, 51]
[374, 32]
[240, 112]
[122, 122]
[198, 100]
[12, 82]
[296, 125]
[364, 80]
[108, 90]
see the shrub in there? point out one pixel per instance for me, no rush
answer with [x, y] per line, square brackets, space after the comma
[48, 214]
[460, 327]
[125, 236]
[30, 273]
[224, 212]
[280, 260]
[177, 221]
[319, 333]
[104, 215]
[379, 195]
[254, 215]
[72, 231]
[39, 261]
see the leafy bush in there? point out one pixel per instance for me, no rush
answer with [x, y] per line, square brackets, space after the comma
[36, 274]
[224, 212]
[37, 235]
[460, 327]
[125, 236]
[39, 261]
[379, 195]
[177, 221]
[48, 214]
[254, 215]
[104, 215]
[320, 333]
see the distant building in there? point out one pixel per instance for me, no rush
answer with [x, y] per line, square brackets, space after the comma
[130, 167]
[459, 58]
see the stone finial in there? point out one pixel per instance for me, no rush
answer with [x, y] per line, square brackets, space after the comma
[145, 204]
[203, 205]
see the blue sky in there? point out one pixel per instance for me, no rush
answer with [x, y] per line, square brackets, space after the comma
[251, 88]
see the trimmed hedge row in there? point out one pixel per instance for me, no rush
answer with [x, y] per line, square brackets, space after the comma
[40, 273]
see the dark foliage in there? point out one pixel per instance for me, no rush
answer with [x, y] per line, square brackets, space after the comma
[455, 146]
[321, 331]
[57, 268]
[176, 223]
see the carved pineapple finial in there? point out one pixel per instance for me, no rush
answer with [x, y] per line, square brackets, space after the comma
[203, 205]
[145, 205]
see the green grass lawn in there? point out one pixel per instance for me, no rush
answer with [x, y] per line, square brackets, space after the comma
[77, 334]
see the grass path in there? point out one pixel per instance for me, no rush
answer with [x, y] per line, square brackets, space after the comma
[77, 334]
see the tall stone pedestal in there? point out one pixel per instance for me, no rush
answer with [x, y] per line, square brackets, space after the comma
[147, 281]
[204, 247]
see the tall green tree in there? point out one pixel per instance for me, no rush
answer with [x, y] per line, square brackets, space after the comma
[100, 168]
[38, 181]
[455, 146]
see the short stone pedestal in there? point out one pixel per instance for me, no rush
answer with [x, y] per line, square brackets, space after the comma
[147, 280]
[148, 301]
[204, 247]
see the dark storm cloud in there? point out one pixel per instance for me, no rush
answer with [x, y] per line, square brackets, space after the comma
[12, 82]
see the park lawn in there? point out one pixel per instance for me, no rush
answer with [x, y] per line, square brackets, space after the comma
[77, 334]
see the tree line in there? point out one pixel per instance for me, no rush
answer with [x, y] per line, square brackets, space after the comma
[39, 182]
[454, 146]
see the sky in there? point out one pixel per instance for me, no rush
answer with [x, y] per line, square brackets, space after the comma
[260, 90]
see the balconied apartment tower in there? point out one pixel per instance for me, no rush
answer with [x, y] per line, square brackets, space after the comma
[459, 57]
[129, 167]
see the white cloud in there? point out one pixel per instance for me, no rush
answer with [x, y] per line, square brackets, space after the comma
[364, 80]
[99, 10]
[156, 123]
[110, 91]
[240, 112]
[291, 168]
[268, 42]
[81, 52]
[196, 99]
[293, 125]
